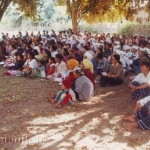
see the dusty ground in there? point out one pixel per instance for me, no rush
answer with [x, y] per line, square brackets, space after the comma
[29, 122]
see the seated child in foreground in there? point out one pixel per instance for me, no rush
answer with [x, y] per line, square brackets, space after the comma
[141, 116]
[66, 96]
[39, 71]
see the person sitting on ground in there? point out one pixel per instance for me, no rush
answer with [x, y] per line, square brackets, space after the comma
[71, 64]
[141, 113]
[39, 71]
[18, 66]
[50, 67]
[103, 66]
[143, 56]
[46, 55]
[140, 85]
[53, 50]
[29, 65]
[10, 61]
[60, 66]
[38, 56]
[65, 54]
[66, 96]
[88, 70]
[115, 75]
[83, 86]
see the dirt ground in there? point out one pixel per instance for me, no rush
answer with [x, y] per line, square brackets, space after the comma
[29, 122]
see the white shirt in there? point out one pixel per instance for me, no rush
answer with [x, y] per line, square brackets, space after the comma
[37, 48]
[144, 101]
[142, 79]
[71, 92]
[54, 53]
[32, 64]
[135, 55]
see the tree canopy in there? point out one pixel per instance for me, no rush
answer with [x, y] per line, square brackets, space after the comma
[101, 10]
[29, 7]
[92, 11]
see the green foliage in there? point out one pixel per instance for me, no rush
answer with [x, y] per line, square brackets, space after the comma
[125, 29]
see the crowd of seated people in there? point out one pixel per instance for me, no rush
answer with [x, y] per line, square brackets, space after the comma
[75, 61]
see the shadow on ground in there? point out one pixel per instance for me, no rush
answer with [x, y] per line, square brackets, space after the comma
[29, 122]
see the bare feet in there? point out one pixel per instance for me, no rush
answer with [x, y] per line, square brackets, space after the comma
[57, 105]
[129, 126]
[130, 118]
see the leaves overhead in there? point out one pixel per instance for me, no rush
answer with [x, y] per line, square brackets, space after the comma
[94, 11]
[29, 7]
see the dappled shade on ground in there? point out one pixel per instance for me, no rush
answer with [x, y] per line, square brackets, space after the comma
[29, 122]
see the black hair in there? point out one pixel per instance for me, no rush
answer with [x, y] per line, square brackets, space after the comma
[70, 57]
[117, 57]
[21, 56]
[85, 47]
[40, 43]
[41, 61]
[35, 52]
[89, 43]
[99, 48]
[21, 50]
[59, 56]
[100, 56]
[69, 44]
[47, 52]
[53, 59]
[52, 42]
[65, 51]
[13, 46]
[27, 51]
[31, 54]
[146, 63]
[53, 47]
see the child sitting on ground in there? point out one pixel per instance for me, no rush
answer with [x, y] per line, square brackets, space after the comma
[39, 71]
[66, 96]
[50, 67]
[18, 66]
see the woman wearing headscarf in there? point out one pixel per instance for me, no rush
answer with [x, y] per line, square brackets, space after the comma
[71, 64]
[83, 86]
[88, 70]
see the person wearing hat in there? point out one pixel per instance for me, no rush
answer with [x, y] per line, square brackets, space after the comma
[88, 70]
[83, 86]
[65, 96]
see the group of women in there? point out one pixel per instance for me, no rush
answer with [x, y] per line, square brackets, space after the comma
[75, 61]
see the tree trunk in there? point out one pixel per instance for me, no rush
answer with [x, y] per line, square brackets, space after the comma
[74, 26]
[3, 6]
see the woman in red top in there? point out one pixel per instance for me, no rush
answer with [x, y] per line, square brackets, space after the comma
[50, 67]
